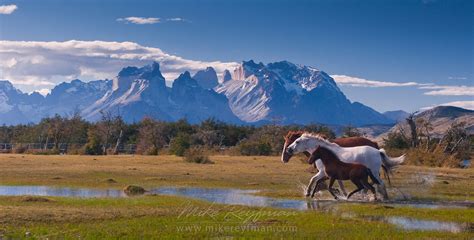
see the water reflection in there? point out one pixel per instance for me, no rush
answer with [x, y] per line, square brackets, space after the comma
[60, 192]
[232, 197]
[414, 224]
[247, 198]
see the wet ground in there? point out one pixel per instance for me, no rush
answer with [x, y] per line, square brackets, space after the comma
[248, 198]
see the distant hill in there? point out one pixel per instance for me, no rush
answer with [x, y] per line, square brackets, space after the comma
[441, 118]
[396, 116]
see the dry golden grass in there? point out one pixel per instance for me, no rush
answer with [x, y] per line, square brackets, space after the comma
[268, 174]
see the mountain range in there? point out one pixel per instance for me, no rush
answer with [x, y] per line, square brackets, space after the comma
[253, 93]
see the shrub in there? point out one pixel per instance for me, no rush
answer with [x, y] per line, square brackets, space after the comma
[133, 190]
[42, 151]
[435, 158]
[396, 140]
[93, 146]
[197, 155]
[180, 144]
[249, 148]
[19, 148]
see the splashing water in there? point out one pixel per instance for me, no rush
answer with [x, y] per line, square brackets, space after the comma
[424, 179]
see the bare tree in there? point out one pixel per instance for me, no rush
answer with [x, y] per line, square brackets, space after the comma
[153, 135]
[424, 128]
[109, 127]
[412, 124]
[456, 138]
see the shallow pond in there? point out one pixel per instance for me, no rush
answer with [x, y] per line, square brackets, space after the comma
[248, 198]
[60, 192]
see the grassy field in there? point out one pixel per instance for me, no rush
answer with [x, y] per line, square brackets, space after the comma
[168, 217]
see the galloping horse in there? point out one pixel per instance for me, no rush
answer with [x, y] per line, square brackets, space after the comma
[343, 142]
[370, 157]
[338, 170]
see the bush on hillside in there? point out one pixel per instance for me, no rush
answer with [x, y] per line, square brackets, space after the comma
[197, 155]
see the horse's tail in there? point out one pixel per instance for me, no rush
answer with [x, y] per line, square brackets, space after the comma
[374, 179]
[387, 174]
[390, 163]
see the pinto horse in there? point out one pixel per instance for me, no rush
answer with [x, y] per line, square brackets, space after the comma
[343, 142]
[338, 170]
[370, 157]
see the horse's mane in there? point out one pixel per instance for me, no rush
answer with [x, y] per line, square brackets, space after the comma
[292, 134]
[319, 137]
[299, 133]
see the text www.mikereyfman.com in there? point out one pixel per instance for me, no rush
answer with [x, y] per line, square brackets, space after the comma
[243, 228]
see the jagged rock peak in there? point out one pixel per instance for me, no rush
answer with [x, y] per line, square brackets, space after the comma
[226, 76]
[206, 78]
[128, 74]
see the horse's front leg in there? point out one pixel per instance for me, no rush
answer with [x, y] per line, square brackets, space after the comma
[343, 189]
[321, 185]
[331, 182]
[319, 181]
[314, 179]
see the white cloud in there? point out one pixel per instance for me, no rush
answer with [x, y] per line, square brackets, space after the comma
[434, 90]
[457, 78]
[461, 104]
[360, 82]
[8, 9]
[139, 20]
[39, 65]
[43, 91]
[176, 19]
[439, 90]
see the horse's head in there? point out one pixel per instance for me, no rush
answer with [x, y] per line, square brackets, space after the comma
[301, 144]
[289, 139]
[315, 155]
[306, 143]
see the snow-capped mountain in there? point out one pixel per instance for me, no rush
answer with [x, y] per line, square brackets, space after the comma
[18, 107]
[140, 92]
[136, 92]
[76, 95]
[14, 103]
[280, 92]
[290, 93]
[196, 103]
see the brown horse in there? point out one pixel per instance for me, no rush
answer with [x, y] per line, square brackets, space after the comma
[339, 170]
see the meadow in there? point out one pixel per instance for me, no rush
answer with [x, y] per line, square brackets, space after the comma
[158, 216]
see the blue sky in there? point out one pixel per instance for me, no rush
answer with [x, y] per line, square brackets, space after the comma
[424, 42]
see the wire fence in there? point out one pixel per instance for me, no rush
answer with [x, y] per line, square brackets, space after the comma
[62, 148]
